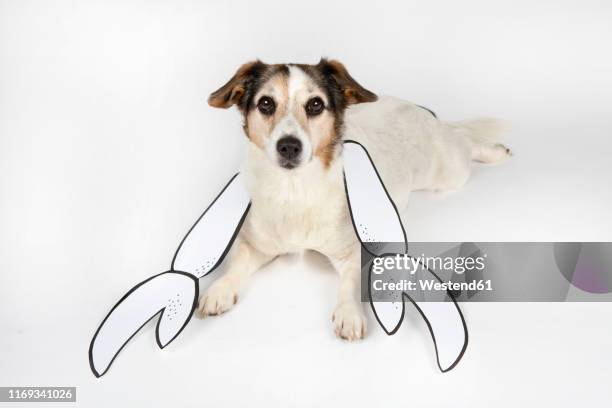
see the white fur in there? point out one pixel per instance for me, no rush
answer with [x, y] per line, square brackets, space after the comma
[305, 208]
[289, 125]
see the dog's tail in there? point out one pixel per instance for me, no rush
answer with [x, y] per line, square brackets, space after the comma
[479, 131]
[483, 134]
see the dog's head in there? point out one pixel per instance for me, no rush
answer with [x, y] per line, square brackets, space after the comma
[292, 112]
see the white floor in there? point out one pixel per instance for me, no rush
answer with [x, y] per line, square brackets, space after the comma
[108, 154]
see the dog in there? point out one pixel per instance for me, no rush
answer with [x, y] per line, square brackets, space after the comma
[295, 119]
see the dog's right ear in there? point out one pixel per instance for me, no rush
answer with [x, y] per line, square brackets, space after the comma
[351, 91]
[233, 92]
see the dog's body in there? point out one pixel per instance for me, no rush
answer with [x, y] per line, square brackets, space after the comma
[300, 203]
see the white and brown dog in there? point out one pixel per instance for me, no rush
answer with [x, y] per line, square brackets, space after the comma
[296, 117]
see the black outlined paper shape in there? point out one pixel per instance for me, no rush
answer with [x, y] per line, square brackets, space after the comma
[376, 219]
[173, 295]
[212, 235]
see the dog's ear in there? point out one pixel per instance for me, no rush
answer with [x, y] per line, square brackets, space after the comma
[233, 92]
[351, 91]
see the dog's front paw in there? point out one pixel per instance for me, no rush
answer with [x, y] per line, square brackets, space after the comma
[349, 321]
[219, 298]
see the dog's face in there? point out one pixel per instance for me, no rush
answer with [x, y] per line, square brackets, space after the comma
[292, 112]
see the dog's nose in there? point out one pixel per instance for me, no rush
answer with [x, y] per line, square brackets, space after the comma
[289, 147]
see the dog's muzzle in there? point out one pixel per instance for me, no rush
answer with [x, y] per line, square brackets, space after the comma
[289, 149]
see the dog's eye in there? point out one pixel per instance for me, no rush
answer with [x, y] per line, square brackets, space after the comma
[314, 106]
[266, 105]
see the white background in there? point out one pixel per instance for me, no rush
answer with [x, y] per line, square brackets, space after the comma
[108, 152]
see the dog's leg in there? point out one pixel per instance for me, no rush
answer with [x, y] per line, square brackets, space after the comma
[348, 317]
[244, 259]
[493, 153]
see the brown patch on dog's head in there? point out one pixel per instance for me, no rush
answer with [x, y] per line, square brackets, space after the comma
[300, 103]
[342, 90]
[257, 126]
[240, 87]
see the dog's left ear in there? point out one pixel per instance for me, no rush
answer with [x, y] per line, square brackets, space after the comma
[233, 92]
[350, 89]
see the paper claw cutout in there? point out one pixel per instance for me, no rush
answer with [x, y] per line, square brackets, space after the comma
[375, 217]
[444, 320]
[376, 220]
[173, 294]
[212, 235]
